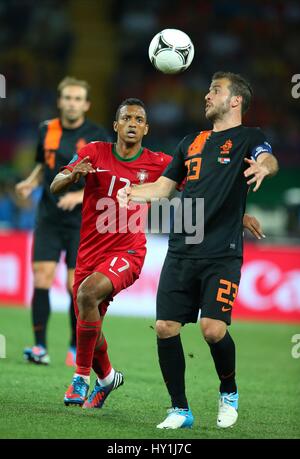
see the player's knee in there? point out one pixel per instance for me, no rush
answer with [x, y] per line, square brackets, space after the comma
[70, 288]
[42, 278]
[212, 332]
[87, 297]
[70, 283]
[166, 328]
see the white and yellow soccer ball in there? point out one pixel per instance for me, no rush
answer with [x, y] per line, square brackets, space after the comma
[171, 51]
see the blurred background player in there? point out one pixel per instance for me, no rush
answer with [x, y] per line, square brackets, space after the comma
[59, 217]
[108, 261]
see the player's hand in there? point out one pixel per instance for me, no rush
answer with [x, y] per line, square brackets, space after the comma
[123, 196]
[82, 168]
[69, 201]
[23, 189]
[258, 171]
[253, 225]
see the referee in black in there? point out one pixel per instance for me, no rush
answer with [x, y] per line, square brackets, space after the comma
[59, 216]
[218, 165]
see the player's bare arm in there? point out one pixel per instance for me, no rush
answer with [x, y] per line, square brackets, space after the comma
[70, 200]
[253, 225]
[162, 188]
[25, 188]
[64, 179]
[265, 166]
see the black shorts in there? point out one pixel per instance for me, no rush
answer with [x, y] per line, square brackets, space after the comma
[50, 240]
[187, 286]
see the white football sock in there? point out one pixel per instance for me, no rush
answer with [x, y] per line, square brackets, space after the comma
[108, 379]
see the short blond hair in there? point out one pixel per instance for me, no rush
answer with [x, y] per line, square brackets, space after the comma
[72, 81]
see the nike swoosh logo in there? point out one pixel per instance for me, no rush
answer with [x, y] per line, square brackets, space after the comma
[225, 309]
[102, 170]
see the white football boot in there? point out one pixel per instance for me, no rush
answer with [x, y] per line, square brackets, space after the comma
[228, 406]
[177, 419]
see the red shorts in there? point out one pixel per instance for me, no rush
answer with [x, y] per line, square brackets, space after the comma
[122, 268]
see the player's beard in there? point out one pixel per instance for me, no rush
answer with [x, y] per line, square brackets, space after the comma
[217, 113]
[72, 117]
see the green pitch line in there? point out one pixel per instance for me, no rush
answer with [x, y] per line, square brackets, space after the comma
[32, 396]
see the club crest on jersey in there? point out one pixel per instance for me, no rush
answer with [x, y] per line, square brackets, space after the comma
[223, 160]
[80, 144]
[142, 175]
[225, 149]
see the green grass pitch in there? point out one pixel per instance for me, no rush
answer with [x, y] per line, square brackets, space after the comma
[32, 396]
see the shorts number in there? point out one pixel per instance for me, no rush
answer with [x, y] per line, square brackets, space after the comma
[230, 290]
[122, 268]
[194, 166]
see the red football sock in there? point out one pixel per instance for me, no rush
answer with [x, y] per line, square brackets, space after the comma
[101, 363]
[87, 335]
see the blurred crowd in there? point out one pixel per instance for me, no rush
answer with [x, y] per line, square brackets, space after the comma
[36, 40]
[260, 40]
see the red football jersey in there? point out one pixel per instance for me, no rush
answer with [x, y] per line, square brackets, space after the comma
[105, 227]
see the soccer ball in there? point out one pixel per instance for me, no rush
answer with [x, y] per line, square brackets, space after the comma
[171, 51]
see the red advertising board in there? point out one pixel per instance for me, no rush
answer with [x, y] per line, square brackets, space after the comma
[270, 284]
[14, 267]
[269, 288]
